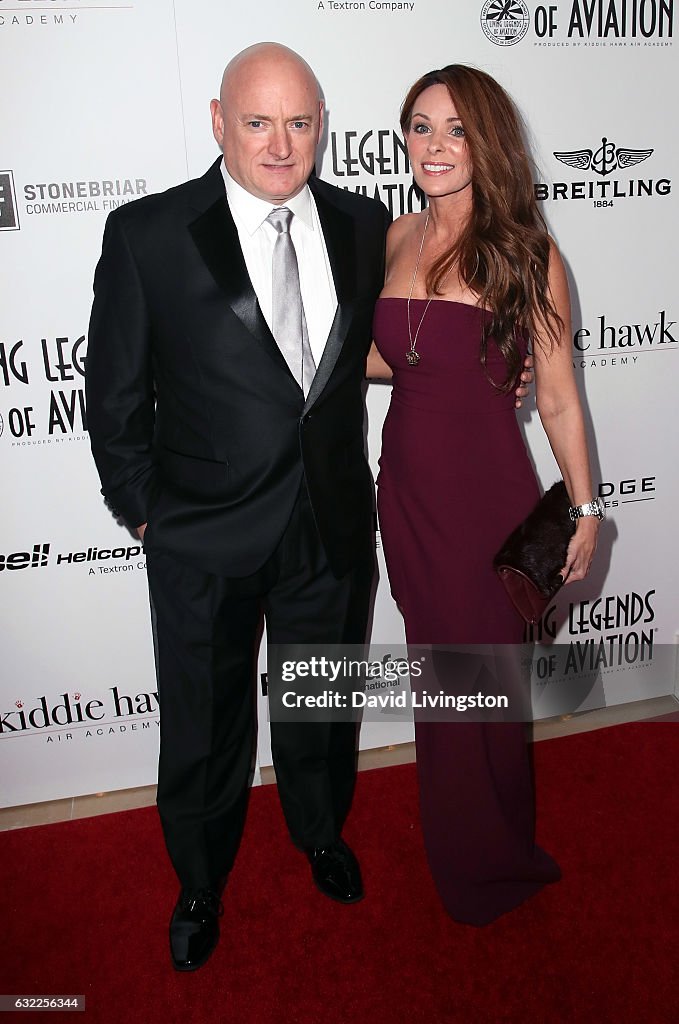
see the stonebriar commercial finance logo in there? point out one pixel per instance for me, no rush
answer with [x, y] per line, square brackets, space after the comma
[46, 198]
[505, 22]
[9, 218]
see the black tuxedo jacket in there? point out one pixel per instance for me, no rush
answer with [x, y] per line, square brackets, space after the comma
[197, 425]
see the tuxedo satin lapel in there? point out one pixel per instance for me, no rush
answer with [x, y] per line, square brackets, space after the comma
[339, 234]
[216, 238]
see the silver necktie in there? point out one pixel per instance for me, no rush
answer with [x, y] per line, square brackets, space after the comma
[288, 320]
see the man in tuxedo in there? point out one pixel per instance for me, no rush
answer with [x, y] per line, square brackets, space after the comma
[227, 345]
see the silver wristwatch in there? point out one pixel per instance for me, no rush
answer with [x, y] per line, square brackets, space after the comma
[595, 507]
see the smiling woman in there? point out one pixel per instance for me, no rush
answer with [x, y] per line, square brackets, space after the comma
[437, 145]
[469, 282]
[463, 116]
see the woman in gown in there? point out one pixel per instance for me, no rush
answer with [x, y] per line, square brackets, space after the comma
[470, 282]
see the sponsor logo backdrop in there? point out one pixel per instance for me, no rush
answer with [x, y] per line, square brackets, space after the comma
[595, 82]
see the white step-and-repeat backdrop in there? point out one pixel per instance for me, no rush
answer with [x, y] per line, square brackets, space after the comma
[107, 100]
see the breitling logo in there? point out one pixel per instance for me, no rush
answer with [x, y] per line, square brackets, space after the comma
[606, 159]
[606, 182]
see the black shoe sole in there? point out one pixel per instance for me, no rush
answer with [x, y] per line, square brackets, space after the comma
[184, 968]
[338, 899]
[192, 966]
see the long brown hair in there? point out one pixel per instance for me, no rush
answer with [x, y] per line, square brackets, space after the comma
[502, 253]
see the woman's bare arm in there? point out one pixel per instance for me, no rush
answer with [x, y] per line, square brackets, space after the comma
[558, 404]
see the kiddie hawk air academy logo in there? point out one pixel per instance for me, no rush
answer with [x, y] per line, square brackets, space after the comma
[60, 14]
[72, 716]
[505, 22]
[605, 342]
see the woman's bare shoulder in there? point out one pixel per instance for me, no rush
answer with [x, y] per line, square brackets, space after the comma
[404, 224]
[400, 230]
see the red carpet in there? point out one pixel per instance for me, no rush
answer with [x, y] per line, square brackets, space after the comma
[86, 907]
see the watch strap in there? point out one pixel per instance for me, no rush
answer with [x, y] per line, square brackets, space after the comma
[591, 508]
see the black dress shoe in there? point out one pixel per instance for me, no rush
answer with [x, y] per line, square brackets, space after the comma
[336, 872]
[194, 928]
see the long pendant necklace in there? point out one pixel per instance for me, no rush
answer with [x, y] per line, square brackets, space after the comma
[412, 356]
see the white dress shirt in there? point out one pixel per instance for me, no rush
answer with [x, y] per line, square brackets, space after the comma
[257, 239]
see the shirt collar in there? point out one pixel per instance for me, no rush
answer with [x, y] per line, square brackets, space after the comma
[252, 211]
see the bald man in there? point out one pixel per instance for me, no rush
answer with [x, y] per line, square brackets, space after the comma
[226, 422]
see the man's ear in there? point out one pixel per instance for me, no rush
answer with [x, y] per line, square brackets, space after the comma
[217, 115]
[321, 111]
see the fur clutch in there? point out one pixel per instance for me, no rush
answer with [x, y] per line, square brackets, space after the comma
[530, 560]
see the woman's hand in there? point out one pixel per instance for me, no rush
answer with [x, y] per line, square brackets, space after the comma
[525, 380]
[376, 368]
[581, 549]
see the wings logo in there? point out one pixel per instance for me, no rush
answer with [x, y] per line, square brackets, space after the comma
[604, 179]
[605, 159]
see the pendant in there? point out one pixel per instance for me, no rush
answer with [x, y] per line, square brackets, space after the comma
[413, 357]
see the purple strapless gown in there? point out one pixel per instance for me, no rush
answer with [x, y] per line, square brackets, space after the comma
[454, 480]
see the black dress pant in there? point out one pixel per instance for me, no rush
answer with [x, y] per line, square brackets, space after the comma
[207, 629]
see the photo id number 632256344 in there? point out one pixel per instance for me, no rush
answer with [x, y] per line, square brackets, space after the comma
[39, 1002]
